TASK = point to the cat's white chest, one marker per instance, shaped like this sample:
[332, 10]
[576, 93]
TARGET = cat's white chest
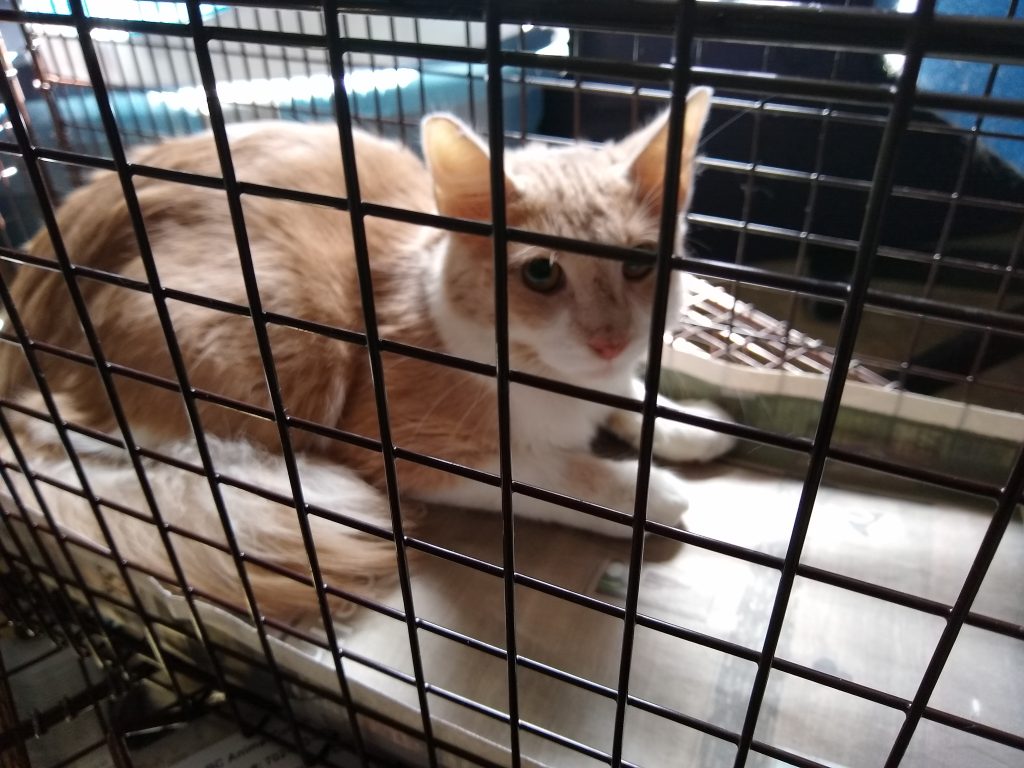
[542, 419]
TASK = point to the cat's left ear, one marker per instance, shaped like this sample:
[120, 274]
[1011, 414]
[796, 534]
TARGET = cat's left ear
[648, 148]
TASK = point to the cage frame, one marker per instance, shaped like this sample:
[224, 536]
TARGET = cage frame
[923, 32]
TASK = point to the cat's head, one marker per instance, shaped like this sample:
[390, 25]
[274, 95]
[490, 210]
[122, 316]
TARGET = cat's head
[576, 316]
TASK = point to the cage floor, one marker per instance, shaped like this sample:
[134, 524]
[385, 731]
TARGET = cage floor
[43, 676]
[899, 538]
[915, 543]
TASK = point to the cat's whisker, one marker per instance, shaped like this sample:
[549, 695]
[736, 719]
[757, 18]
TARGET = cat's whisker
[528, 252]
[475, 404]
[444, 397]
[691, 242]
[732, 120]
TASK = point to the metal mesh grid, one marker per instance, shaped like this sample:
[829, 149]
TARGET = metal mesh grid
[93, 128]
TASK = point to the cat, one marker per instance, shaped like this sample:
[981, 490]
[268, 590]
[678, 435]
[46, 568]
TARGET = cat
[576, 318]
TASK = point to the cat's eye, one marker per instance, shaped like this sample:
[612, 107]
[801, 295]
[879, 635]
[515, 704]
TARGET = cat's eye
[543, 275]
[636, 270]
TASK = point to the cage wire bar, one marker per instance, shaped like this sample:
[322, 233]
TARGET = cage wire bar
[668, 221]
[266, 357]
[344, 121]
[848, 328]
[923, 33]
[965, 164]
[95, 349]
[496, 140]
[120, 163]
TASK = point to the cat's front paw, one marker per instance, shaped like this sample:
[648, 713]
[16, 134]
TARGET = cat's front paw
[675, 441]
[666, 497]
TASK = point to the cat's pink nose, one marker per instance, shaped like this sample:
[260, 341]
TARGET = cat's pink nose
[608, 347]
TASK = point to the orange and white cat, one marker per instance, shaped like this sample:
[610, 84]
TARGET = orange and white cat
[575, 318]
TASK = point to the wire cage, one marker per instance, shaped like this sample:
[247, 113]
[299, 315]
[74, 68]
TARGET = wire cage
[851, 594]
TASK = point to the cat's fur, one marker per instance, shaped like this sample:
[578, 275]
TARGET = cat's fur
[432, 288]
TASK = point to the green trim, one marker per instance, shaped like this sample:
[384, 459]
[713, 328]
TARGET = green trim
[936, 448]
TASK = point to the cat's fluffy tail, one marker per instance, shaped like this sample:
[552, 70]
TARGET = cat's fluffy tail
[266, 531]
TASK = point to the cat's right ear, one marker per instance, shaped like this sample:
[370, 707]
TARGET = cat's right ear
[460, 167]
